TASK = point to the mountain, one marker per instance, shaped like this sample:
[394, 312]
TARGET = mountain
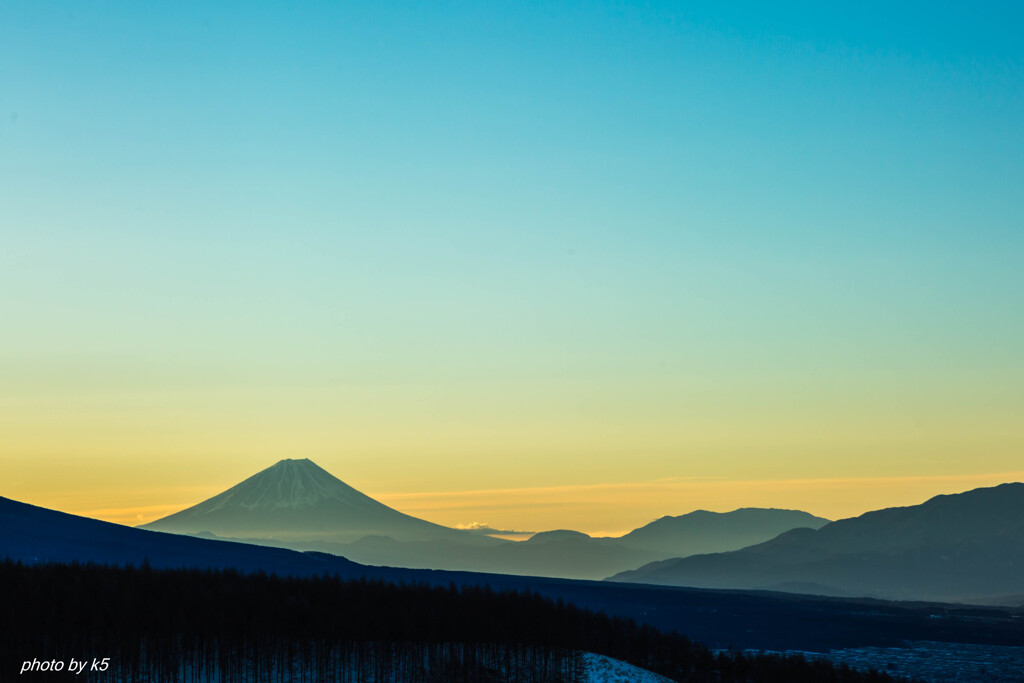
[297, 500]
[713, 532]
[572, 554]
[297, 504]
[967, 546]
[558, 536]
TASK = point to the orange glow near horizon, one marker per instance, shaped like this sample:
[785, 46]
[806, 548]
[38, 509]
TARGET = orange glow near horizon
[607, 509]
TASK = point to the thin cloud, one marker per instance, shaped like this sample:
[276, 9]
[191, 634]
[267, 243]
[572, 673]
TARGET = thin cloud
[631, 504]
[486, 530]
[711, 481]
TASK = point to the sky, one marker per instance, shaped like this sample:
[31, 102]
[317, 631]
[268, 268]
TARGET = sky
[529, 265]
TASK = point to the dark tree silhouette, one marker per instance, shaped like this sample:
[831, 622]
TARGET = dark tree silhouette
[191, 626]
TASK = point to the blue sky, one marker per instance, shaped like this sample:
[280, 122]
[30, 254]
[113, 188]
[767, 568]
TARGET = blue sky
[646, 215]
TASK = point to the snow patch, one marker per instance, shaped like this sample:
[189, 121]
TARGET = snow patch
[601, 669]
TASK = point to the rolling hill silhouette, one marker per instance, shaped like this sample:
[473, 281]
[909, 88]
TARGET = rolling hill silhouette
[966, 546]
[35, 535]
[713, 532]
[297, 504]
[573, 554]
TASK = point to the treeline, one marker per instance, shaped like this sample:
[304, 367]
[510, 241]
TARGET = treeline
[192, 625]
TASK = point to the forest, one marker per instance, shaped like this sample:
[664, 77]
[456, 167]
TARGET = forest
[205, 625]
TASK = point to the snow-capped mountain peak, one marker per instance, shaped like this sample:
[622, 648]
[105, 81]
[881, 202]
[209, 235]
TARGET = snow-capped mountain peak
[298, 499]
[294, 484]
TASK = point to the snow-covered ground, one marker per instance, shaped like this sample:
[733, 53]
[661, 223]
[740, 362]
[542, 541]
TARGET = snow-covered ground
[601, 669]
[932, 661]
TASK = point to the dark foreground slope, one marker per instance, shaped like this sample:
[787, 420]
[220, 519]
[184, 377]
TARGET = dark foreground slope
[36, 536]
[963, 547]
[190, 625]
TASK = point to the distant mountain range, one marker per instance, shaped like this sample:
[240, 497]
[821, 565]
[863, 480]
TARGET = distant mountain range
[714, 532]
[964, 547]
[35, 535]
[297, 504]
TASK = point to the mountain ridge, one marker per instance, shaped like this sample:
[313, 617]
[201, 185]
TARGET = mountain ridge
[963, 546]
[704, 531]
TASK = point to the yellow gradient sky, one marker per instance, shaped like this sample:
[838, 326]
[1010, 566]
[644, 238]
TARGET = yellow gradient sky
[530, 265]
[589, 458]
